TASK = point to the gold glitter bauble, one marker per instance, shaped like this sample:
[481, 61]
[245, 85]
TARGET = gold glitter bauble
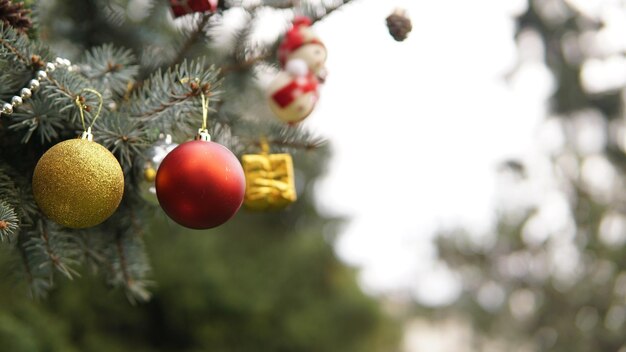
[78, 183]
[149, 174]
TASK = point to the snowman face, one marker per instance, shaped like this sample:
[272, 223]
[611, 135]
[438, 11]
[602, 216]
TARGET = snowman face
[313, 54]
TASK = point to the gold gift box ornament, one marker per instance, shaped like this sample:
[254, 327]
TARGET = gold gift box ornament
[270, 181]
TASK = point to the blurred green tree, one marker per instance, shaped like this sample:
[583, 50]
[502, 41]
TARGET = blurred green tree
[552, 275]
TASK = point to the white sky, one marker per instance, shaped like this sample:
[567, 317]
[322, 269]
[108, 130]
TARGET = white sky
[418, 129]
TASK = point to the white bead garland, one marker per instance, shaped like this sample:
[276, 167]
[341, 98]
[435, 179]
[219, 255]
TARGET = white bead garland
[33, 84]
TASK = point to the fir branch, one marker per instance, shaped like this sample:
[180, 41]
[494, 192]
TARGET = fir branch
[278, 136]
[315, 11]
[26, 265]
[243, 55]
[10, 42]
[8, 190]
[245, 64]
[16, 190]
[38, 286]
[110, 68]
[39, 277]
[242, 37]
[294, 145]
[123, 136]
[12, 81]
[274, 4]
[18, 50]
[49, 246]
[129, 271]
[41, 118]
[327, 10]
[193, 37]
[62, 88]
[8, 222]
[122, 259]
[170, 101]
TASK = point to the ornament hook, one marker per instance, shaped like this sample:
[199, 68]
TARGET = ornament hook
[203, 135]
[203, 132]
[81, 108]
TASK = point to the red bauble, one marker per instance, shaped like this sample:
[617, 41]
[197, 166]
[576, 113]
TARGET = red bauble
[200, 184]
[183, 7]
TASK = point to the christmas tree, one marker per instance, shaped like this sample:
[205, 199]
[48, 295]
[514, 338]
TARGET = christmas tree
[126, 75]
[551, 275]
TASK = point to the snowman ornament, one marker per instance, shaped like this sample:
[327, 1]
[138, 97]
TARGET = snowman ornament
[302, 43]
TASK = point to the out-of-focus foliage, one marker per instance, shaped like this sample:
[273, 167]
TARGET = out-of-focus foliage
[264, 282]
[552, 275]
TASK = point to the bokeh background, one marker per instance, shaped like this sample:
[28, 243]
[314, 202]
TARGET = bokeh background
[471, 199]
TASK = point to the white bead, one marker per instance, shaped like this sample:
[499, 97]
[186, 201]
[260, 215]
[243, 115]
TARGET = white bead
[16, 101]
[41, 75]
[25, 93]
[59, 61]
[33, 84]
[7, 109]
[50, 67]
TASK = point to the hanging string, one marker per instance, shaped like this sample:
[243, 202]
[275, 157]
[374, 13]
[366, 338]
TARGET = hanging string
[82, 107]
[205, 112]
[203, 132]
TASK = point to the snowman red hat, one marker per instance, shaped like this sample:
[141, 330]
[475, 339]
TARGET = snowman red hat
[301, 42]
[184, 7]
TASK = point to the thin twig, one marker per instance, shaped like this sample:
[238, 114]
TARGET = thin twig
[61, 87]
[111, 67]
[244, 65]
[193, 38]
[247, 64]
[29, 273]
[294, 145]
[330, 10]
[122, 256]
[166, 105]
[135, 223]
[53, 257]
[14, 50]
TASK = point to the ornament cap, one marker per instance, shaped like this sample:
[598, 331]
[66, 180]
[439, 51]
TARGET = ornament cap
[87, 135]
[203, 135]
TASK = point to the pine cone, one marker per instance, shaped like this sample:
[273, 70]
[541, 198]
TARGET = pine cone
[399, 25]
[15, 15]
